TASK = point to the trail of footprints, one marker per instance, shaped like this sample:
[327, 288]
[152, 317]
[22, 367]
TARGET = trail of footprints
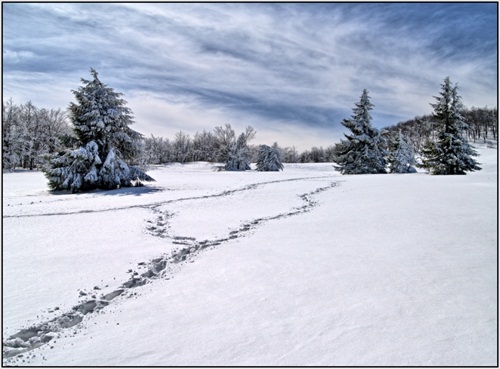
[162, 267]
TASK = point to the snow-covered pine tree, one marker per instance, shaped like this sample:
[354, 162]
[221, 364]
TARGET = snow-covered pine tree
[362, 152]
[450, 153]
[401, 157]
[262, 158]
[275, 163]
[269, 158]
[101, 123]
[75, 170]
[239, 155]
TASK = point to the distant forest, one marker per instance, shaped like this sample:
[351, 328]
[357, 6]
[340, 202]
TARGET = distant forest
[30, 134]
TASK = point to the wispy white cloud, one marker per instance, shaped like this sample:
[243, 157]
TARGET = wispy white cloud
[14, 57]
[280, 67]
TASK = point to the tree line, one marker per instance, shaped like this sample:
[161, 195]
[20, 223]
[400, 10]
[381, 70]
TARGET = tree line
[32, 135]
[30, 132]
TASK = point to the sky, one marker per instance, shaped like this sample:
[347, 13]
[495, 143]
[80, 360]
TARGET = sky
[293, 71]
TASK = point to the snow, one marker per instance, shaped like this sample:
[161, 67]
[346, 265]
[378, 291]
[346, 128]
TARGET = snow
[396, 269]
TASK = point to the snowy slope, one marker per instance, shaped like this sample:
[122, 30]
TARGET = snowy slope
[300, 267]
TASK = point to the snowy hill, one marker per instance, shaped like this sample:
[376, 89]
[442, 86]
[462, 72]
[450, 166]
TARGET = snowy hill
[300, 267]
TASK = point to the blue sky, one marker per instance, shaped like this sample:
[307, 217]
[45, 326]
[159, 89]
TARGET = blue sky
[291, 70]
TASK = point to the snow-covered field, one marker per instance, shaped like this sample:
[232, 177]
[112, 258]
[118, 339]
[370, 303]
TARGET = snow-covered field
[300, 267]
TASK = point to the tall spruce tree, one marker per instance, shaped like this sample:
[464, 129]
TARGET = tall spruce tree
[362, 152]
[101, 124]
[450, 153]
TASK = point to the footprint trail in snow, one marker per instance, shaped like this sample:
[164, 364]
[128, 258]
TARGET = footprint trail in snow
[168, 224]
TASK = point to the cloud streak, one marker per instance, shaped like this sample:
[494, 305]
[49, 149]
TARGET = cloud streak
[280, 67]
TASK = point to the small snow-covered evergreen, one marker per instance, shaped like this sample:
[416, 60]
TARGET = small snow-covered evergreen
[262, 157]
[401, 157]
[269, 158]
[450, 153]
[239, 155]
[101, 123]
[362, 152]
